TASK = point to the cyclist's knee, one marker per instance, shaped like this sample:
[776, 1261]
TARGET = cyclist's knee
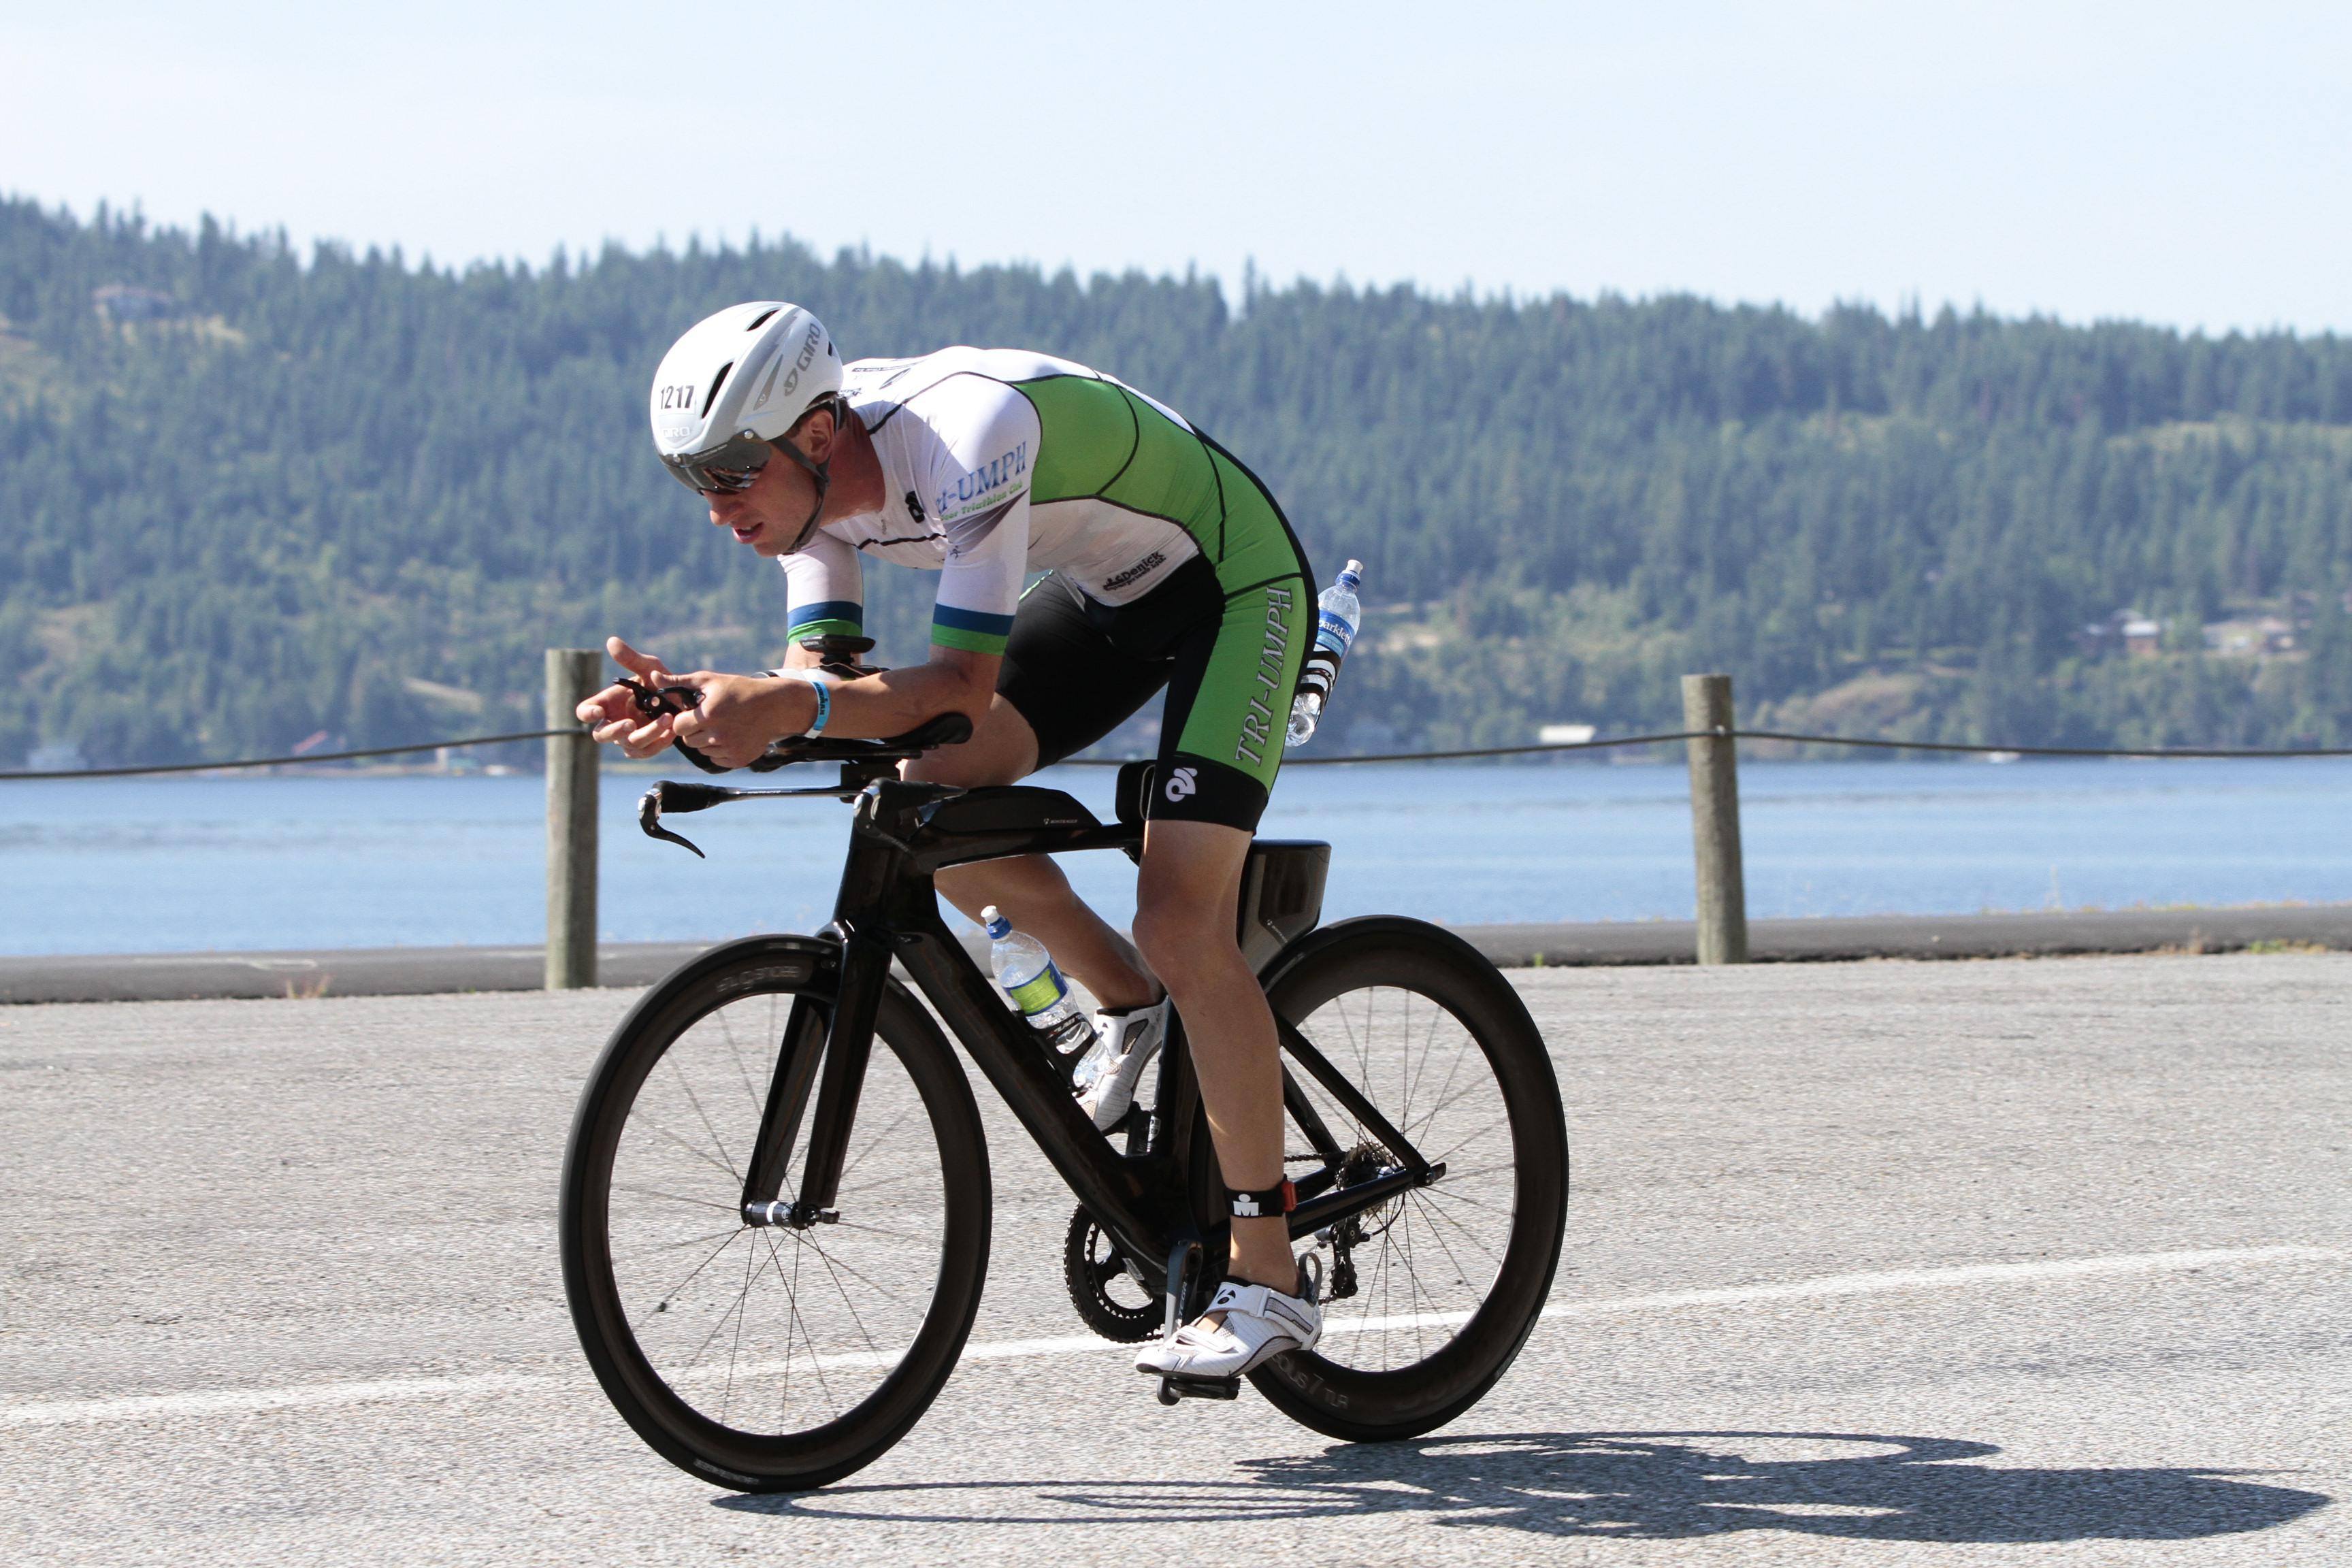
[1002, 751]
[1183, 943]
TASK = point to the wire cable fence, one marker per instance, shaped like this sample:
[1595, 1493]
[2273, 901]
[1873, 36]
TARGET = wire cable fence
[297, 759]
[1708, 733]
[1463, 753]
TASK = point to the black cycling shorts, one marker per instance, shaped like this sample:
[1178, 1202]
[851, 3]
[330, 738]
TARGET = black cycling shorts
[1076, 669]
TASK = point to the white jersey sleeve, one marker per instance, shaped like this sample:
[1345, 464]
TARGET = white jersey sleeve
[824, 589]
[970, 455]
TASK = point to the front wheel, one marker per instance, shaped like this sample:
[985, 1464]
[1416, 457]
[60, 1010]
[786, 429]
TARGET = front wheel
[780, 1356]
[1430, 1295]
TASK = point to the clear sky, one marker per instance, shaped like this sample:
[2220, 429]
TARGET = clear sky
[2182, 163]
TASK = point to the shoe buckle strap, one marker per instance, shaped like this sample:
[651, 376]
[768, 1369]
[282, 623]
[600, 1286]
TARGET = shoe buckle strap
[1236, 1298]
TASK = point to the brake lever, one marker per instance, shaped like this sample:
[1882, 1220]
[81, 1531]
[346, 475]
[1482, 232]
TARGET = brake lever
[670, 794]
[650, 814]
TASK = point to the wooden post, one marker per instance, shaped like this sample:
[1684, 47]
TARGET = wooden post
[1714, 819]
[574, 674]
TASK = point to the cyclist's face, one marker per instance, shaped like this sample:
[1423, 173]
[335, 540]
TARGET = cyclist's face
[769, 516]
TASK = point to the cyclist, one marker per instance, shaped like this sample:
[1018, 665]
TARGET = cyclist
[1168, 564]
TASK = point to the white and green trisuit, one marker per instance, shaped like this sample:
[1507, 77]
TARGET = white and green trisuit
[1169, 562]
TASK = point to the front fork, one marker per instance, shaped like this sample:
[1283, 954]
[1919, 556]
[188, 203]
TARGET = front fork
[829, 1058]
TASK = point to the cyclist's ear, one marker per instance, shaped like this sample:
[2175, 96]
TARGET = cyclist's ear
[815, 432]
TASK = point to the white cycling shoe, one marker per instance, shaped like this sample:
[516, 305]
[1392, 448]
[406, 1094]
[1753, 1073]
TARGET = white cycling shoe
[1129, 1041]
[1260, 1323]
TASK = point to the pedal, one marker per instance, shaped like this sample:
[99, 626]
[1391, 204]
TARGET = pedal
[1174, 1388]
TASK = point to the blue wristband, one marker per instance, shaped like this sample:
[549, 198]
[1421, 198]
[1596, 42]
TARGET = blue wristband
[823, 690]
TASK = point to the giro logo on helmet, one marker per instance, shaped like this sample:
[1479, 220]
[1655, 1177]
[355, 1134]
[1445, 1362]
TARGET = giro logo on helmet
[1183, 783]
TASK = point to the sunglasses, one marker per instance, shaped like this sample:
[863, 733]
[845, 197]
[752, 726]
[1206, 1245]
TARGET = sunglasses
[728, 468]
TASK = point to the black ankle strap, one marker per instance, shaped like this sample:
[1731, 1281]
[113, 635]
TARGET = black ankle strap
[1262, 1203]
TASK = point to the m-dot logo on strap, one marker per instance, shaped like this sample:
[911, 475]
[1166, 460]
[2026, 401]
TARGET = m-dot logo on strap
[1183, 783]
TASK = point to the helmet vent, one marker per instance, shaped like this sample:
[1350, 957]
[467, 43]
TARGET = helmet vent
[716, 383]
[762, 319]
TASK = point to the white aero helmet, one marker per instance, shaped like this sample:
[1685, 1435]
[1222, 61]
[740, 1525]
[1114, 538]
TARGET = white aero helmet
[733, 385]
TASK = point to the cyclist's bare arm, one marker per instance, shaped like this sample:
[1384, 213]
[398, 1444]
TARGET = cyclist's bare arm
[737, 716]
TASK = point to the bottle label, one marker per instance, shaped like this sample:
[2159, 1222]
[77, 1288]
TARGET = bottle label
[1040, 992]
[1333, 632]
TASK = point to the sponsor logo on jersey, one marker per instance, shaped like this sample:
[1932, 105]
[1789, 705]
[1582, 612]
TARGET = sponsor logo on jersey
[915, 506]
[975, 484]
[1259, 723]
[1122, 579]
[1183, 783]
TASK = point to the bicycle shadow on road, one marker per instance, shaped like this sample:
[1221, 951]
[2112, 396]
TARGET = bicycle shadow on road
[1635, 1485]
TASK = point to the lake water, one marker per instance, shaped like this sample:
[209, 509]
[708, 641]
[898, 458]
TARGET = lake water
[229, 863]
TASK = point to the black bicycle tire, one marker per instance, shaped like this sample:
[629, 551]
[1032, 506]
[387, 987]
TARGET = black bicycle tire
[1400, 1403]
[720, 1456]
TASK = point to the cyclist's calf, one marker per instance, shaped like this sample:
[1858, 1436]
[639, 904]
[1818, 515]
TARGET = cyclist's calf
[1186, 897]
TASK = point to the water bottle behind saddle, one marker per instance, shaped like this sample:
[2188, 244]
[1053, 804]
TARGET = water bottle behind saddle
[1337, 615]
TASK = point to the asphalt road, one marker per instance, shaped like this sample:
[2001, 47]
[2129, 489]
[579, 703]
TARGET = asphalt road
[1884, 1263]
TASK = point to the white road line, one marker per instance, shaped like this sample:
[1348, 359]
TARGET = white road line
[303, 1397]
[249, 1401]
[1941, 1278]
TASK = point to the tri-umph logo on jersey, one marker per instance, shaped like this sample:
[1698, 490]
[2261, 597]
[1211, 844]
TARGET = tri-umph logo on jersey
[976, 483]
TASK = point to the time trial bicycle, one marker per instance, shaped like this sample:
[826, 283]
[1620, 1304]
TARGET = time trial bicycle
[775, 1234]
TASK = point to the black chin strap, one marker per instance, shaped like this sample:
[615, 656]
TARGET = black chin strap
[816, 471]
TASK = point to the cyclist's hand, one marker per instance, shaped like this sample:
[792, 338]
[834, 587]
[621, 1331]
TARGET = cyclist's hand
[613, 712]
[740, 715]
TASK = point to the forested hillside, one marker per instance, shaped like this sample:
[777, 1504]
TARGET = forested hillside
[247, 495]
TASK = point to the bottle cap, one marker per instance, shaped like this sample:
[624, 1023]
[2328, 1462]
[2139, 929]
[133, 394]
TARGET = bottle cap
[998, 926]
[1351, 576]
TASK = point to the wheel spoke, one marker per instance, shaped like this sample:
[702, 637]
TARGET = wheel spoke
[695, 1358]
[1465, 1140]
[663, 1300]
[735, 1349]
[1413, 1129]
[877, 1140]
[718, 1165]
[675, 1246]
[793, 1306]
[830, 1261]
[833, 1273]
[696, 1101]
[1441, 1107]
[727, 1027]
[673, 1197]
[1466, 1234]
[1462, 1274]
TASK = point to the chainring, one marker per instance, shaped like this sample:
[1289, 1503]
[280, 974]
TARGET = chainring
[1095, 1270]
